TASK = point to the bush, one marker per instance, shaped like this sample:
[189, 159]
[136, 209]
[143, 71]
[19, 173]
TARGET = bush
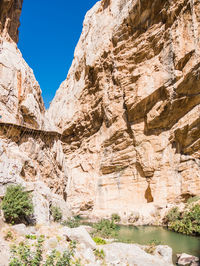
[55, 258]
[105, 228]
[72, 222]
[99, 254]
[115, 217]
[187, 222]
[193, 199]
[23, 255]
[31, 255]
[17, 205]
[133, 217]
[56, 213]
[172, 215]
[99, 240]
[32, 237]
[8, 236]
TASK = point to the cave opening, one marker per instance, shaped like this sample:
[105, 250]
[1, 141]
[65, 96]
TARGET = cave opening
[148, 194]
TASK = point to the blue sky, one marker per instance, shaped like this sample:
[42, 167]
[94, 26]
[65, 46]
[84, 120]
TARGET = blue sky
[48, 35]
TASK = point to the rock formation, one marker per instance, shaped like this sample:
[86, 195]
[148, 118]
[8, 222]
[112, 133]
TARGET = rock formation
[28, 154]
[123, 131]
[130, 107]
[20, 94]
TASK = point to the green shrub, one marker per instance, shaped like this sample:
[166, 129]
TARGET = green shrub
[188, 222]
[23, 255]
[17, 205]
[193, 199]
[55, 258]
[32, 237]
[99, 240]
[105, 228]
[56, 213]
[72, 222]
[31, 255]
[99, 254]
[8, 236]
[115, 217]
[172, 215]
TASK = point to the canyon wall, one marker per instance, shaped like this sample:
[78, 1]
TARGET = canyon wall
[30, 152]
[20, 94]
[130, 107]
[123, 131]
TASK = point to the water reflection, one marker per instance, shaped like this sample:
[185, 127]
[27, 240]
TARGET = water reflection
[145, 234]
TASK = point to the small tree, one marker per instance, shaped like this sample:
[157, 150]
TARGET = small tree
[17, 204]
[115, 217]
[56, 213]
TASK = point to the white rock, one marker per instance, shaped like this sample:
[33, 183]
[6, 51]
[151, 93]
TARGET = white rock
[89, 255]
[165, 252]
[186, 259]
[78, 234]
[131, 254]
[4, 252]
[21, 229]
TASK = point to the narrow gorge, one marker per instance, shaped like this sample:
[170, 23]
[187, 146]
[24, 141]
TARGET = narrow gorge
[122, 134]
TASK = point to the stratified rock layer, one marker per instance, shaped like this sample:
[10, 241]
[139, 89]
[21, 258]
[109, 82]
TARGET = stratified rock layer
[29, 155]
[130, 107]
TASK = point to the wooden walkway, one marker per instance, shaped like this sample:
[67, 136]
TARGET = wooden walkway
[33, 131]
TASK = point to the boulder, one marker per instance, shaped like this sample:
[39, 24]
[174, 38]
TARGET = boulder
[78, 234]
[21, 229]
[4, 252]
[132, 254]
[165, 252]
[186, 259]
[89, 255]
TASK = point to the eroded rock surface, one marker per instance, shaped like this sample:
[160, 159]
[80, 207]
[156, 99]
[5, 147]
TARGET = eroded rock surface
[130, 107]
[33, 158]
[122, 133]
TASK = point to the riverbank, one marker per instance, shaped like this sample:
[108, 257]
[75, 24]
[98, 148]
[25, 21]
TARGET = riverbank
[53, 243]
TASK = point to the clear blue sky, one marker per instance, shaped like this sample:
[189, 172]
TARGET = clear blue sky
[48, 35]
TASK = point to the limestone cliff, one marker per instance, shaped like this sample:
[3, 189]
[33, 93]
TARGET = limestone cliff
[28, 154]
[130, 107]
[20, 94]
[123, 131]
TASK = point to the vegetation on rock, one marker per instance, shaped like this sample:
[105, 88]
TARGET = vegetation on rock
[99, 254]
[99, 240]
[115, 217]
[72, 222]
[56, 213]
[17, 205]
[185, 222]
[24, 255]
[32, 255]
[193, 199]
[151, 248]
[105, 228]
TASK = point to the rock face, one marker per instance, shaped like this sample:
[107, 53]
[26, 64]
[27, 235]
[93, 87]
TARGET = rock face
[20, 100]
[122, 133]
[27, 155]
[10, 11]
[130, 107]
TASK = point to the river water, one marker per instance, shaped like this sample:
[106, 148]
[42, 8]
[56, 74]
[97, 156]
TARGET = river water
[145, 234]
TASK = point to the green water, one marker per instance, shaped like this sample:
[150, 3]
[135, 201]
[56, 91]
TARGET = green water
[145, 234]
